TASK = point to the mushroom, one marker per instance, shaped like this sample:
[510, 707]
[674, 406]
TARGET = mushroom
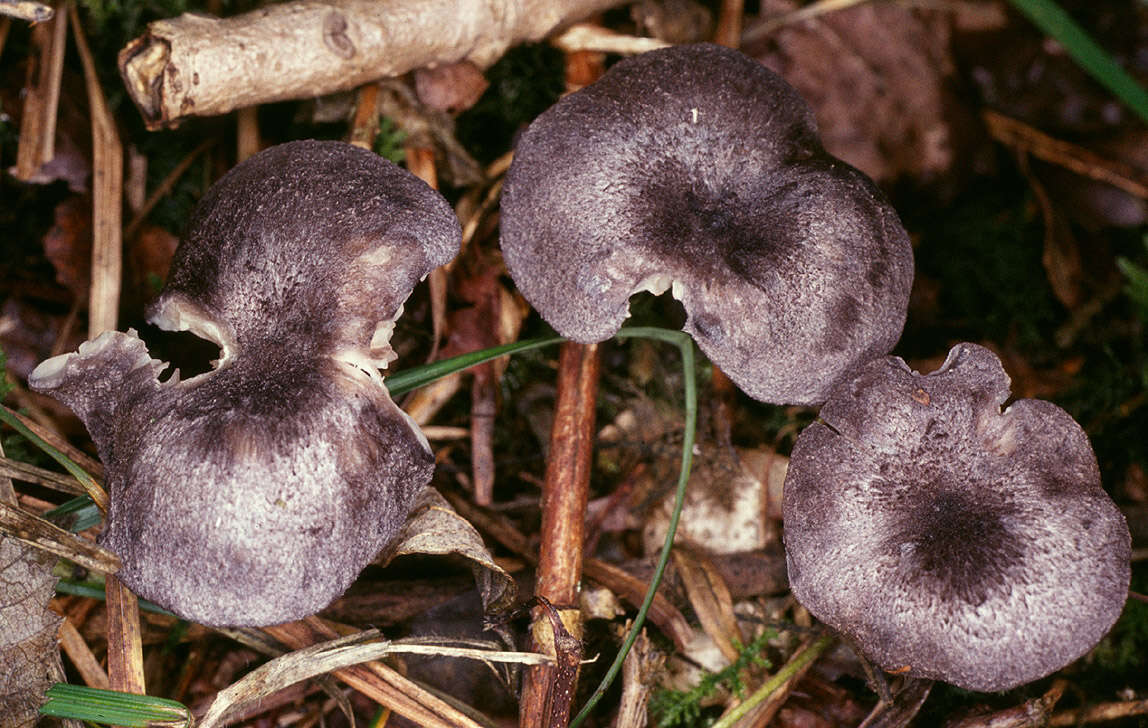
[255, 493]
[698, 170]
[948, 539]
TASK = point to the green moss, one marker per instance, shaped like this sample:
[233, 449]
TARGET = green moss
[389, 144]
[673, 708]
[985, 255]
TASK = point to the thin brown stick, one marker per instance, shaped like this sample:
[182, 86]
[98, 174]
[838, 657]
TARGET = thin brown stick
[5, 26]
[164, 187]
[564, 498]
[247, 141]
[365, 122]
[421, 163]
[1025, 138]
[724, 396]
[77, 650]
[729, 23]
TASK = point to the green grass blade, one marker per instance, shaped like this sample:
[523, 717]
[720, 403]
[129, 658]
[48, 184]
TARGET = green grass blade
[79, 513]
[95, 590]
[686, 346]
[1058, 25]
[420, 376]
[90, 485]
[114, 708]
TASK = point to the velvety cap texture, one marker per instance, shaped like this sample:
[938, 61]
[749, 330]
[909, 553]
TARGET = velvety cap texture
[697, 169]
[254, 494]
[948, 539]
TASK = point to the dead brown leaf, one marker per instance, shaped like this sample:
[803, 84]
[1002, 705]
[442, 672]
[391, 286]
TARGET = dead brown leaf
[29, 657]
[452, 87]
[879, 79]
[68, 246]
[434, 528]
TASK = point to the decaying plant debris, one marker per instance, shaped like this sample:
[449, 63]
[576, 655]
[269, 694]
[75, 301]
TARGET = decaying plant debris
[1024, 188]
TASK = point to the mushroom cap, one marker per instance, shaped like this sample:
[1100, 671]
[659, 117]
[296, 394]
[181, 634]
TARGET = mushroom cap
[310, 243]
[254, 494]
[950, 539]
[697, 169]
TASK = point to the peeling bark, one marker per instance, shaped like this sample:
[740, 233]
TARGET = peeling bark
[196, 65]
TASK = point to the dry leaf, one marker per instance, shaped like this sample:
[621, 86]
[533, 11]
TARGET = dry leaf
[68, 245]
[434, 528]
[453, 87]
[29, 655]
[878, 77]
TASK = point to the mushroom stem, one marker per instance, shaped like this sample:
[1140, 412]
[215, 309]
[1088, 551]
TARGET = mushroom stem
[564, 497]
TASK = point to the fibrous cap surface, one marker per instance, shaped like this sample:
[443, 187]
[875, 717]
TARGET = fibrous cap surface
[255, 493]
[699, 168]
[948, 539]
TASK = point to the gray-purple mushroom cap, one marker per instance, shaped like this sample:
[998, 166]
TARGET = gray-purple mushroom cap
[946, 538]
[696, 169]
[255, 493]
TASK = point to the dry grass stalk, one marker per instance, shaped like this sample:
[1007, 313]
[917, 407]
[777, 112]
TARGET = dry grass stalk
[45, 536]
[377, 681]
[39, 476]
[107, 195]
[76, 455]
[42, 97]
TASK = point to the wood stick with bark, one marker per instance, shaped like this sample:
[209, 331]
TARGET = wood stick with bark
[564, 498]
[194, 65]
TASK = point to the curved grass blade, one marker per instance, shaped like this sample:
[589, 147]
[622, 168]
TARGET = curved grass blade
[1058, 25]
[686, 346]
[420, 376]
